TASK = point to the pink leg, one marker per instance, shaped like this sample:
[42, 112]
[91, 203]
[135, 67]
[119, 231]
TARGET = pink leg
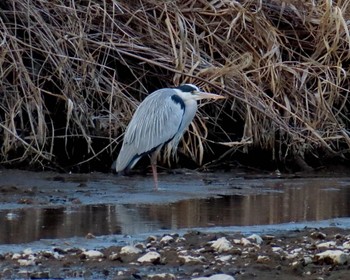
[154, 170]
[155, 176]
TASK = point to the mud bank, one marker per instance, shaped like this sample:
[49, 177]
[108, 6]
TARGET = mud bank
[78, 226]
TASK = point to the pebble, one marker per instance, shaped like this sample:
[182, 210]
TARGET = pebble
[307, 260]
[167, 276]
[333, 257]
[221, 245]
[224, 258]
[150, 257]
[28, 251]
[245, 241]
[167, 239]
[296, 250]
[263, 259]
[318, 235]
[114, 257]
[329, 244]
[216, 277]
[24, 273]
[268, 237]
[49, 254]
[236, 241]
[346, 245]
[40, 275]
[191, 260]
[130, 250]
[195, 253]
[140, 245]
[277, 249]
[200, 250]
[26, 262]
[16, 256]
[92, 254]
[256, 238]
[293, 253]
[151, 238]
[12, 216]
[90, 236]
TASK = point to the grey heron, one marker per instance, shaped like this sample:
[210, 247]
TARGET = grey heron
[161, 119]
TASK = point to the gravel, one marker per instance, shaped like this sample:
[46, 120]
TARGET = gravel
[307, 254]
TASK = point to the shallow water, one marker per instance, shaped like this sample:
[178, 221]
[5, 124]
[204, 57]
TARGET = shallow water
[42, 206]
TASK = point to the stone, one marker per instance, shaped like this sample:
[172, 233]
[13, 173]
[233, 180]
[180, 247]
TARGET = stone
[150, 257]
[307, 260]
[329, 244]
[346, 245]
[114, 257]
[256, 238]
[245, 241]
[167, 276]
[167, 239]
[28, 251]
[216, 277]
[130, 250]
[333, 257]
[92, 254]
[26, 262]
[221, 245]
[16, 256]
[263, 259]
[224, 258]
[277, 249]
[191, 260]
[318, 235]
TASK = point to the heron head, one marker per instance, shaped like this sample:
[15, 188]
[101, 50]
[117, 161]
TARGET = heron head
[196, 93]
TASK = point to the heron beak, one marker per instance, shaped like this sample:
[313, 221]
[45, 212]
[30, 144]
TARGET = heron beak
[207, 95]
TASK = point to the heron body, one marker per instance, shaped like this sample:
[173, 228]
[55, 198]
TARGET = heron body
[161, 119]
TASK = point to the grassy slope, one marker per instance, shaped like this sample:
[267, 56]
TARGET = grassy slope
[73, 73]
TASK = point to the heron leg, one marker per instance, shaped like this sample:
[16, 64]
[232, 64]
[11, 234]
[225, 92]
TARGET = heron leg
[154, 169]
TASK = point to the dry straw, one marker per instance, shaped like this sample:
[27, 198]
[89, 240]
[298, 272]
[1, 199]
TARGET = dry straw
[78, 69]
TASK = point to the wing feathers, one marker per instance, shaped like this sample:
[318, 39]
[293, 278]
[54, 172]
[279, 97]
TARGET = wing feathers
[155, 122]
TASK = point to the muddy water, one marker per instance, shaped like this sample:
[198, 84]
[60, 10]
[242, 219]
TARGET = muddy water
[37, 206]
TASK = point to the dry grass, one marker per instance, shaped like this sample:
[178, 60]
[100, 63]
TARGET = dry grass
[72, 73]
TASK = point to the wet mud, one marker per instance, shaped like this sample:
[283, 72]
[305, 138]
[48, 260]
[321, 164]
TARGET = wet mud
[49, 221]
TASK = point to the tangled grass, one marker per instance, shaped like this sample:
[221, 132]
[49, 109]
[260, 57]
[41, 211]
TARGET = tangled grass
[73, 72]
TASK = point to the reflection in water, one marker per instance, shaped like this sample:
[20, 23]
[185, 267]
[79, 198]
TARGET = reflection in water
[287, 203]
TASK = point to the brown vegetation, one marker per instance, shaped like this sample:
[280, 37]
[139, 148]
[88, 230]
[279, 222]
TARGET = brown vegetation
[72, 73]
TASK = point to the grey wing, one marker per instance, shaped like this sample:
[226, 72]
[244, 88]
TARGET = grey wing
[155, 122]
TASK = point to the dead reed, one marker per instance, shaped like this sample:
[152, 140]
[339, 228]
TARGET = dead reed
[73, 72]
